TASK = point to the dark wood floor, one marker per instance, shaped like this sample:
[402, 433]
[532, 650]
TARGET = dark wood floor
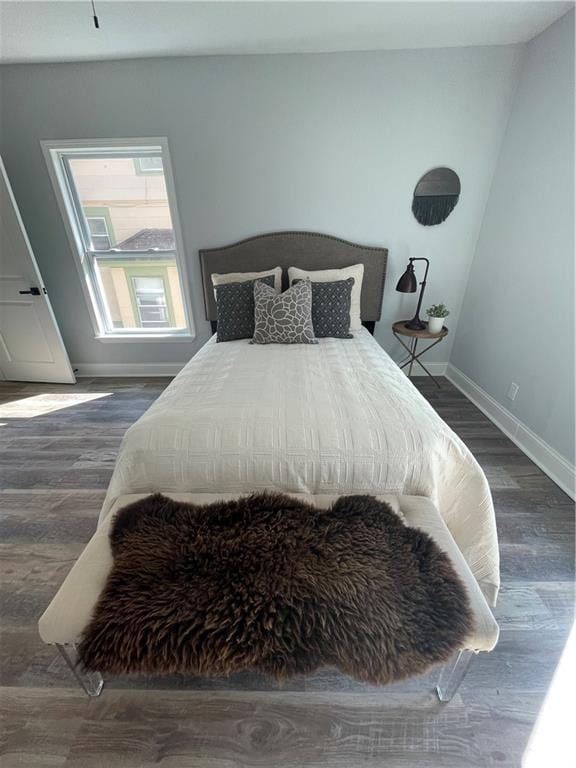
[58, 445]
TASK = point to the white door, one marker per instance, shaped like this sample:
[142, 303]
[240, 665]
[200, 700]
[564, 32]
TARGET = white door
[31, 348]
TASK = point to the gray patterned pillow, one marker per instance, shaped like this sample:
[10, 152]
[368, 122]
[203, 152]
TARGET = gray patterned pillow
[284, 318]
[235, 307]
[331, 308]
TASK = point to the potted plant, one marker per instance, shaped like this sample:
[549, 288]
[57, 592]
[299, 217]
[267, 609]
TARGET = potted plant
[436, 315]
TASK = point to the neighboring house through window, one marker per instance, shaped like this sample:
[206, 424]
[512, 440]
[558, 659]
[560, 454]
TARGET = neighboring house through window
[119, 209]
[99, 232]
[151, 301]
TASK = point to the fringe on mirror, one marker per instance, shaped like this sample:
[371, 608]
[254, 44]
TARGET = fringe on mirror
[433, 209]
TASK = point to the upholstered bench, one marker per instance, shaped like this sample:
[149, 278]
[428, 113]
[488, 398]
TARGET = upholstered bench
[65, 619]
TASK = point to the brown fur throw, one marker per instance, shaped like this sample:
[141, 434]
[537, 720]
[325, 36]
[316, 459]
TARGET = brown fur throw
[270, 583]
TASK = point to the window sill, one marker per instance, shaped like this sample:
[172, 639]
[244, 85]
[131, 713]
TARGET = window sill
[158, 337]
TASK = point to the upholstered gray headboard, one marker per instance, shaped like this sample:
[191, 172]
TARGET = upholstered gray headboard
[307, 250]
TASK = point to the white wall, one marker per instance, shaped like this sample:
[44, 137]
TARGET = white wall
[517, 323]
[332, 142]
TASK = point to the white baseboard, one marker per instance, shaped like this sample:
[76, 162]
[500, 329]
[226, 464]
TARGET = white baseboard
[122, 370]
[558, 469]
[436, 369]
[98, 370]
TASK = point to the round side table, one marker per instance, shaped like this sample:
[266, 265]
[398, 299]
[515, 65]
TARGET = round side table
[399, 329]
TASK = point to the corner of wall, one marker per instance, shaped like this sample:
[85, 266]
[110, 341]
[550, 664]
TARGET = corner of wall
[493, 345]
[522, 52]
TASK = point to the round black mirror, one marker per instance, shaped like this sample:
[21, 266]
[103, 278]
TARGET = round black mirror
[435, 196]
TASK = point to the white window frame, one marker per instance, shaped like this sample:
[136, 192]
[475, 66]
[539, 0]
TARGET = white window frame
[53, 152]
[134, 278]
[106, 233]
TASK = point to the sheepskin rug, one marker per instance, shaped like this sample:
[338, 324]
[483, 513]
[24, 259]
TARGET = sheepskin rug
[272, 584]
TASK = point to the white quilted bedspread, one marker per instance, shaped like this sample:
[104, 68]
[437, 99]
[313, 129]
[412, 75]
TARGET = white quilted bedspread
[337, 417]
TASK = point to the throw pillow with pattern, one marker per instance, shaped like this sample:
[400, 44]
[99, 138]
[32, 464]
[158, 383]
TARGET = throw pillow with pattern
[235, 309]
[331, 308]
[284, 318]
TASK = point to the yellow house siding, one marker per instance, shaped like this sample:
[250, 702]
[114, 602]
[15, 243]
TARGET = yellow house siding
[123, 297]
[134, 201]
[111, 297]
[176, 294]
[128, 220]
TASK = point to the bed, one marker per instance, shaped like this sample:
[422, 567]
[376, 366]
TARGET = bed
[313, 420]
[334, 418]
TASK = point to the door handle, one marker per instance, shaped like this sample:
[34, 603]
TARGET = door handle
[34, 291]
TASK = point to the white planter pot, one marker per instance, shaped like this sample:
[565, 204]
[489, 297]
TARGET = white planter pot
[435, 324]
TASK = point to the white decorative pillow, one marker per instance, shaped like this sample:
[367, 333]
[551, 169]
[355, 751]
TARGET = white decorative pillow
[240, 277]
[331, 275]
[284, 318]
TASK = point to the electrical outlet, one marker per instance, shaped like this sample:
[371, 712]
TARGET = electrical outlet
[513, 391]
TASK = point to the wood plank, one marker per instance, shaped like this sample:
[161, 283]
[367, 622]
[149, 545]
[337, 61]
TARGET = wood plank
[56, 454]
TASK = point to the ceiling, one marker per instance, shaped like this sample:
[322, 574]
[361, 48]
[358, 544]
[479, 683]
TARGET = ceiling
[63, 30]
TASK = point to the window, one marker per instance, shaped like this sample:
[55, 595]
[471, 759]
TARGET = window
[118, 206]
[151, 302]
[99, 233]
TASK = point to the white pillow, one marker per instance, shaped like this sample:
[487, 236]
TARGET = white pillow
[240, 277]
[330, 275]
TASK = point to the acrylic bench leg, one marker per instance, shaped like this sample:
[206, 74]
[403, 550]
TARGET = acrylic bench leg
[91, 682]
[452, 674]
